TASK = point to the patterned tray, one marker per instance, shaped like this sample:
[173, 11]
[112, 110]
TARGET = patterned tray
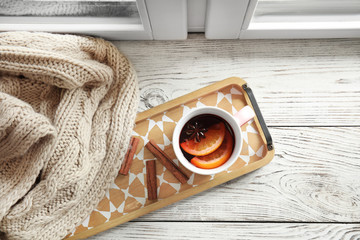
[127, 197]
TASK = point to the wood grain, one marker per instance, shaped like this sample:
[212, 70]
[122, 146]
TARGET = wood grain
[229, 230]
[314, 177]
[313, 182]
[296, 82]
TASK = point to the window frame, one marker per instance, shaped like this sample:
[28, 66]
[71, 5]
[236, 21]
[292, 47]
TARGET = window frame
[173, 19]
[151, 24]
[291, 29]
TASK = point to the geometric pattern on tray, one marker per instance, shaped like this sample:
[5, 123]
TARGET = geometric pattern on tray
[129, 193]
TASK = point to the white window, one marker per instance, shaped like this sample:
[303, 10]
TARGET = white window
[302, 19]
[173, 19]
[249, 19]
[111, 19]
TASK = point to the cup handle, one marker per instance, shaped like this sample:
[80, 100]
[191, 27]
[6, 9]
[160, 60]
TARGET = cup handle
[244, 115]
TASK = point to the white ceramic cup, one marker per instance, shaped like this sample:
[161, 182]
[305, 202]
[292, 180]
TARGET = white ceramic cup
[235, 122]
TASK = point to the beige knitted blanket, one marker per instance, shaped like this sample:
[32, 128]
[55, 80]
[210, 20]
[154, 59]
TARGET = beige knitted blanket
[67, 109]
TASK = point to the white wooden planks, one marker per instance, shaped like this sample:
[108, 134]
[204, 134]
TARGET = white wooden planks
[231, 231]
[296, 82]
[309, 92]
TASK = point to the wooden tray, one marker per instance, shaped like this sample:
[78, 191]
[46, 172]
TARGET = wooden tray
[127, 197]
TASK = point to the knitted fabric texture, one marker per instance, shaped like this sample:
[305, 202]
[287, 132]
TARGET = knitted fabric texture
[67, 109]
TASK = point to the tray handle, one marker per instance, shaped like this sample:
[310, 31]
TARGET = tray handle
[269, 142]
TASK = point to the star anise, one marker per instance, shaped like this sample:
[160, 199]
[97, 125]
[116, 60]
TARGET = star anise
[195, 131]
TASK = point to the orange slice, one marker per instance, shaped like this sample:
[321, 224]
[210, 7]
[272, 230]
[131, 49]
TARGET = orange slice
[216, 158]
[212, 141]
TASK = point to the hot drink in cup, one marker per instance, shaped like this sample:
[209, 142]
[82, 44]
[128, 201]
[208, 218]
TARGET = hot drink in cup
[208, 140]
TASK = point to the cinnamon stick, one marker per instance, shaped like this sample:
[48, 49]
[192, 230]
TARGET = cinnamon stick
[166, 161]
[151, 179]
[125, 167]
